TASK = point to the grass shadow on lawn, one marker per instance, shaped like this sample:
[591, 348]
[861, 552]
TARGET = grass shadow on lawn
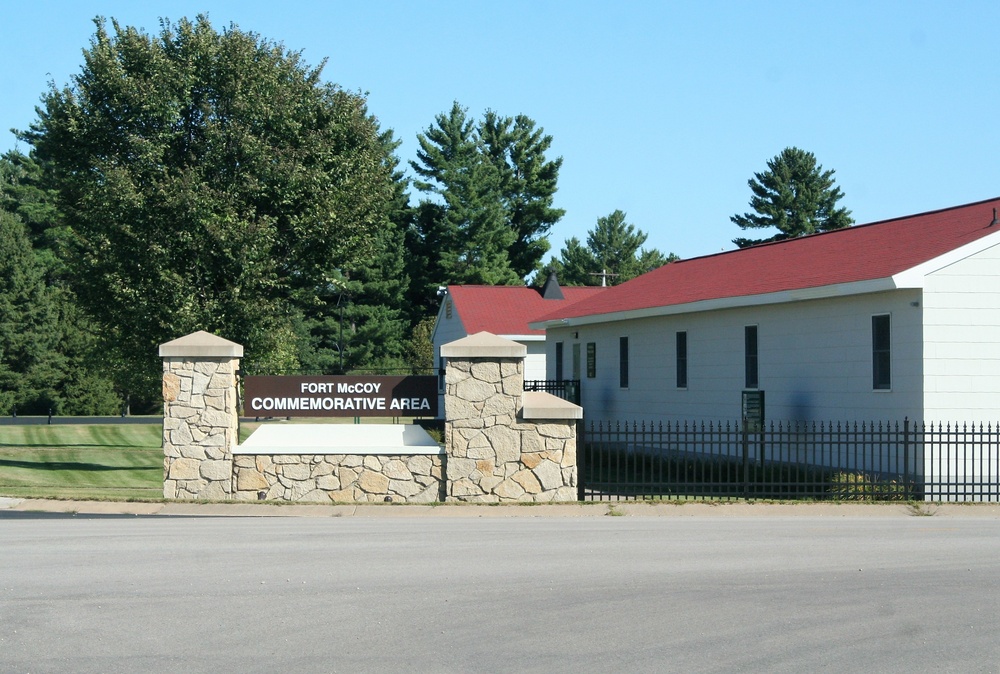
[69, 465]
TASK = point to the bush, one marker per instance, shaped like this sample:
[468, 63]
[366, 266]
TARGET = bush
[857, 486]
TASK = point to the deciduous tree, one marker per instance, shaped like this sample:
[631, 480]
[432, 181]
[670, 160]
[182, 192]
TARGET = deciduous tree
[212, 181]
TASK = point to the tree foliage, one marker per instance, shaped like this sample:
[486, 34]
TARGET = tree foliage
[488, 206]
[211, 181]
[613, 255]
[795, 196]
[527, 184]
[45, 347]
[26, 313]
[468, 223]
[363, 323]
[23, 192]
[48, 350]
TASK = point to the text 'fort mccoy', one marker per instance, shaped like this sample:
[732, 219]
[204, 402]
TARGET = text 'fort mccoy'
[340, 396]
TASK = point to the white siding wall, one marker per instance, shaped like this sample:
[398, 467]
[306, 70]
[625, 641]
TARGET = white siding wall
[815, 362]
[534, 362]
[447, 329]
[962, 340]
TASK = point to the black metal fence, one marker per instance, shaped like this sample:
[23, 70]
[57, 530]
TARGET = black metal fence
[567, 389]
[870, 462]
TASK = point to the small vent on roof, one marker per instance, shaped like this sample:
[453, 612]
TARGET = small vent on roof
[551, 289]
[995, 221]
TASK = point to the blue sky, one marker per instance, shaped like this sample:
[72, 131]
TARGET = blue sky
[661, 109]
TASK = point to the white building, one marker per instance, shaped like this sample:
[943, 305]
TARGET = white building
[503, 311]
[899, 318]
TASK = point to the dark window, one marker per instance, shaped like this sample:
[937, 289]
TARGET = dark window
[881, 362]
[750, 349]
[623, 362]
[559, 361]
[591, 360]
[682, 360]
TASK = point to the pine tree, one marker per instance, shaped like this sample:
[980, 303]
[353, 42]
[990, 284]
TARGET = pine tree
[489, 209]
[49, 357]
[363, 311]
[795, 196]
[473, 236]
[613, 255]
[527, 184]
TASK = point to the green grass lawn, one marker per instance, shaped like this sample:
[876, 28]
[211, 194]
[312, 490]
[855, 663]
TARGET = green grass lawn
[106, 462]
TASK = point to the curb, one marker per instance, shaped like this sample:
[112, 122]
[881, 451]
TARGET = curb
[553, 510]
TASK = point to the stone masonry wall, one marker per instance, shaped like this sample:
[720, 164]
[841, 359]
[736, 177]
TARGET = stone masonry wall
[494, 455]
[492, 452]
[315, 478]
[199, 427]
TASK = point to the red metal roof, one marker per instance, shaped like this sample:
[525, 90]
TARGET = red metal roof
[863, 253]
[507, 310]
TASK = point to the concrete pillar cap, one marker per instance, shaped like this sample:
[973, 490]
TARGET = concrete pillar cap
[483, 345]
[201, 344]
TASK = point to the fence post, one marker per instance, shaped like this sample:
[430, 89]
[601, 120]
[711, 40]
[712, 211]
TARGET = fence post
[746, 461]
[906, 459]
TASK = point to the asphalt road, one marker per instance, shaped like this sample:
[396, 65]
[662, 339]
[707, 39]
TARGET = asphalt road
[589, 594]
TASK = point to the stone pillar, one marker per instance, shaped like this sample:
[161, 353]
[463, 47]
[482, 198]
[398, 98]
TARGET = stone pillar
[200, 416]
[498, 449]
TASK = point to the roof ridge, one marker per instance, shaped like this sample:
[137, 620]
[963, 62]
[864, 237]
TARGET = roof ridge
[842, 230]
[862, 253]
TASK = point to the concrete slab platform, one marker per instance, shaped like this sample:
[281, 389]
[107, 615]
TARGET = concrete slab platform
[405, 439]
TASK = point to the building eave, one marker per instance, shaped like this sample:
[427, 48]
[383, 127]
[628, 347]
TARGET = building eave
[525, 338]
[783, 297]
[914, 276]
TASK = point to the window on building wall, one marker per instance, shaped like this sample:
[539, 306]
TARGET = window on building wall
[623, 362]
[682, 359]
[559, 361]
[881, 361]
[591, 360]
[750, 357]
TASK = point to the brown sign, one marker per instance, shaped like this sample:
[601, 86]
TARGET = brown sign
[346, 396]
